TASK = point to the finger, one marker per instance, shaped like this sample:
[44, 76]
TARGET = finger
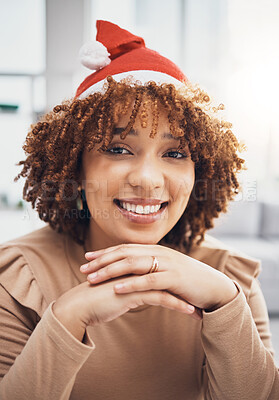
[164, 299]
[121, 252]
[95, 262]
[89, 255]
[154, 281]
[127, 266]
[92, 255]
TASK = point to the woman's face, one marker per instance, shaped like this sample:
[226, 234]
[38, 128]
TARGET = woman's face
[138, 189]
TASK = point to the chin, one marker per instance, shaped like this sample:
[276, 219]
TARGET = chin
[142, 239]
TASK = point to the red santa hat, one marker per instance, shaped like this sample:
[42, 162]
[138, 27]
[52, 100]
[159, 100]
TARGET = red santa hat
[120, 54]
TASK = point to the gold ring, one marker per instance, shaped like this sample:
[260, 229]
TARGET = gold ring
[154, 266]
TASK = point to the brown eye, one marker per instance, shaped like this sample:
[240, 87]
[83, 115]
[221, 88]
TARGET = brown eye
[175, 154]
[118, 150]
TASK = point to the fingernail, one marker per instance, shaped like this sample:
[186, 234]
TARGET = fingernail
[119, 286]
[84, 267]
[92, 276]
[90, 253]
[191, 308]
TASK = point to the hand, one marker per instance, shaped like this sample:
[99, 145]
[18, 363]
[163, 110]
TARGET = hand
[189, 279]
[86, 305]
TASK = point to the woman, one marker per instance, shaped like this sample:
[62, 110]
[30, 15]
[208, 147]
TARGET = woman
[129, 176]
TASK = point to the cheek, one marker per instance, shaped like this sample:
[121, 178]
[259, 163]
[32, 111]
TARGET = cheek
[113, 180]
[189, 182]
[101, 179]
[181, 187]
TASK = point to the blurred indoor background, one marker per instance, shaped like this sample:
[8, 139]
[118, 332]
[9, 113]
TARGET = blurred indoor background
[228, 47]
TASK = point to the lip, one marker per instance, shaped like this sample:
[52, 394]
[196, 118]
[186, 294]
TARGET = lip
[143, 202]
[141, 218]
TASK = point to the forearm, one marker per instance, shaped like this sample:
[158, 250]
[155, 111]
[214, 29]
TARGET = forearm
[47, 365]
[238, 364]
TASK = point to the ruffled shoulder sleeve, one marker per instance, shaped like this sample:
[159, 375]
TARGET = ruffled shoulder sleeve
[17, 278]
[242, 269]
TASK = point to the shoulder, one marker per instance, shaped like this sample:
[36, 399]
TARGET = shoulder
[29, 265]
[39, 250]
[40, 239]
[236, 265]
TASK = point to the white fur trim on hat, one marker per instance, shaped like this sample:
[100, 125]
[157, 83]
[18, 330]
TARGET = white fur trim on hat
[94, 55]
[139, 76]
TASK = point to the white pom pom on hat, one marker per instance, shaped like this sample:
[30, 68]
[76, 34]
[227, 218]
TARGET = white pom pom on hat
[94, 55]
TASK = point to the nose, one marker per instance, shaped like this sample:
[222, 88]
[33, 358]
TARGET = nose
[146, 174]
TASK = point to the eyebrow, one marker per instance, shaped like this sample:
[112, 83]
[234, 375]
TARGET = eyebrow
[133, 132]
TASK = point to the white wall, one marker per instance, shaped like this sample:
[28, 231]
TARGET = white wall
[64, 37]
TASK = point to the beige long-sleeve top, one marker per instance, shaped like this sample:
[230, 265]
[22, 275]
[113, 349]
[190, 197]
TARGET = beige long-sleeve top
[148, 353]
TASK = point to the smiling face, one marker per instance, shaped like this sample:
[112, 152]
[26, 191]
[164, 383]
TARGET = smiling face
[138, 188]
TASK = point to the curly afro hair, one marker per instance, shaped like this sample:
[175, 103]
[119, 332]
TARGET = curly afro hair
[54, 148]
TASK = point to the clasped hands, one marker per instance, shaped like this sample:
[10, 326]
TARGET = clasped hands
[201, 287]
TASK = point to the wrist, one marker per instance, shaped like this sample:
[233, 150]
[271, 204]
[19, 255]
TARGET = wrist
[227, 294]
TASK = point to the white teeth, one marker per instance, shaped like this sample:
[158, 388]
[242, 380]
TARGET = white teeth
[146, 210]
[139, 209]
[129, 207]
